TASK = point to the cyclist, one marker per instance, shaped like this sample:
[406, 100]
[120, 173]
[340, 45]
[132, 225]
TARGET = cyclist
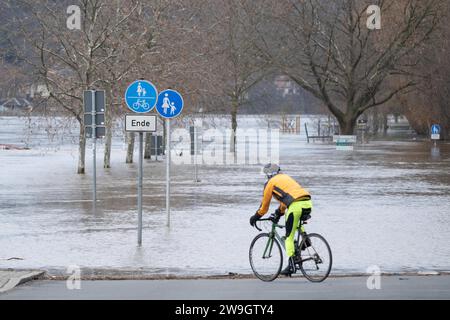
[293, 197]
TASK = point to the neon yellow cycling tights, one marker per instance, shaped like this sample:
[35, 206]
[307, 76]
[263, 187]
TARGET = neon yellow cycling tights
[294, 212]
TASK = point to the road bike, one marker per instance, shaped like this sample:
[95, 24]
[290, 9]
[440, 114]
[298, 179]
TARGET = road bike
[312, 253]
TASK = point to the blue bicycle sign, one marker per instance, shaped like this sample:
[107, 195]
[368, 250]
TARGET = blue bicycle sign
[141, 105]
[141, 96]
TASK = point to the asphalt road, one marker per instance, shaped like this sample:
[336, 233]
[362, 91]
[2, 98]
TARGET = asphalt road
[392, 287]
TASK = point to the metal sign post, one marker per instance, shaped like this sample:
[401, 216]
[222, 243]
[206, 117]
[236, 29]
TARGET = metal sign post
[140, 175]
[94, 150]
[140, 97]
[168, 171]
[94, 122]
[194, 149]
[140, 124]
[195, 155]
[170, 104]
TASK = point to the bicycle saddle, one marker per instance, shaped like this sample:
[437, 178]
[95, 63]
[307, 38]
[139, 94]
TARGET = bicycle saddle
[306, 214]
[305, 217]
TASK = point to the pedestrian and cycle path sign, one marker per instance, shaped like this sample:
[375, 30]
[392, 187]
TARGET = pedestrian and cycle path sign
[170, 104]
[435, 132]
[141, 96]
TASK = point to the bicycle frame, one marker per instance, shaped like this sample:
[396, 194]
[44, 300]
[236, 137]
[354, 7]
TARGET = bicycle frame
[273, 234]
[301, 231]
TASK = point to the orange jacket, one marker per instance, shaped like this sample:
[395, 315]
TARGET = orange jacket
[285, 189]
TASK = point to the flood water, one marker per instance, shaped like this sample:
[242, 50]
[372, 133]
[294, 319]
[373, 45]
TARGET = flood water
[386, 204]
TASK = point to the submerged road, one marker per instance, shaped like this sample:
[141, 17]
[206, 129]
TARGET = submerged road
[392, 287]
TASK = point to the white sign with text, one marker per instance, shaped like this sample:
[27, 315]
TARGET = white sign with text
[140, 123]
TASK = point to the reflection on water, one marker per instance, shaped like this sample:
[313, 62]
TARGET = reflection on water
[385, 204]
[435, 152]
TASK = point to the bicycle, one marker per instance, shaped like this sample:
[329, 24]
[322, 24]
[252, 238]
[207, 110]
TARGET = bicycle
[312, 253]
[141, 104]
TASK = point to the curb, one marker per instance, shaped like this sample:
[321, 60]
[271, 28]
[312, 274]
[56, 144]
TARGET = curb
[145, 276]
[13, 282]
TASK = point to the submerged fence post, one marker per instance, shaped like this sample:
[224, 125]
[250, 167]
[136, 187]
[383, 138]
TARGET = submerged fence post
[306, 131]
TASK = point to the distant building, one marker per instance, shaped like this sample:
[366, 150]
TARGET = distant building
[38, 90]
[286, 86]
[15, 104]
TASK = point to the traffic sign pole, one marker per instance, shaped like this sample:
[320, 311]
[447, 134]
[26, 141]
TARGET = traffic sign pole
[195, 156]
[140, 178]
[168, 171]
[94, 150]
[140, 124]
[169, 105]
[94, 123]
[140, 97]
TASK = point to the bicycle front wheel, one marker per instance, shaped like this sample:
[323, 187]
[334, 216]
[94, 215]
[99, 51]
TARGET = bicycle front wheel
[316, 258]
[266, 258]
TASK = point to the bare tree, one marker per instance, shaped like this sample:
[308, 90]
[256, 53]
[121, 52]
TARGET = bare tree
[429, 104]
[171, 55]
[123, 56]
[12, 80]
[67, 61]
[236, 64]
[326, 48]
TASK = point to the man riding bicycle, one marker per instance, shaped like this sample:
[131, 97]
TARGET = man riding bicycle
[293, 197]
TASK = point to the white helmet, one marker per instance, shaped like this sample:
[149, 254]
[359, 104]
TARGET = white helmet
[271, 169]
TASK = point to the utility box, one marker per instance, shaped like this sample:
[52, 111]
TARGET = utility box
[362, 128]
[156, 145]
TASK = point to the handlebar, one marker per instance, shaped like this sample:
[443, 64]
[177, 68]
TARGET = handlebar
[256, 225]
[267, 219]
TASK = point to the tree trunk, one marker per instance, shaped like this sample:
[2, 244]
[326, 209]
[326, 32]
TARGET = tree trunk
[82, 150]
[348, 128]
[147, 147]
[234, 110]
[130, 147]
[375, 119]
[108, 143]
[347, 125]
[108, 138]
[385, 124]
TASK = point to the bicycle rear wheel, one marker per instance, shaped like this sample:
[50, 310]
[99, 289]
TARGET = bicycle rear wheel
[266, 258]
[316, 259]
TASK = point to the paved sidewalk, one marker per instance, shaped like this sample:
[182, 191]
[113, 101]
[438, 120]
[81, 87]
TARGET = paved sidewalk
[350, 288]
[9, 279]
